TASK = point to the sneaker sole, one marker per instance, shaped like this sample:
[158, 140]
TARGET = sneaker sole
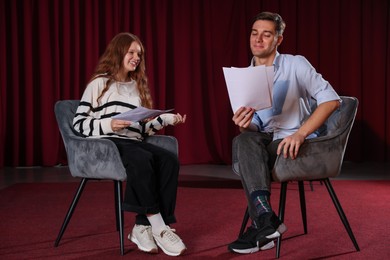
[268, 246]
[281, 229]
[168, 252]
[246, 251]
[255, 249]
[140, 247]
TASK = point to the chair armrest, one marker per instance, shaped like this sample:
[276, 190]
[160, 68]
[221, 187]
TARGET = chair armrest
[94, 158]
[107, 164]
[165, 141]
[318, 158]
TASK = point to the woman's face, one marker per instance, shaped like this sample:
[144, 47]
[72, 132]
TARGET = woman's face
[132, 57]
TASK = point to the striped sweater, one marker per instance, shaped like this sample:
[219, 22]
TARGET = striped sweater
[93, 119]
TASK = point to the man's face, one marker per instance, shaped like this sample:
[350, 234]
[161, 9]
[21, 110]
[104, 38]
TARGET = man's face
[263, 39]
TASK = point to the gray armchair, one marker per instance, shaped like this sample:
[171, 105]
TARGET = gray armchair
[96, 159]
[319, 159]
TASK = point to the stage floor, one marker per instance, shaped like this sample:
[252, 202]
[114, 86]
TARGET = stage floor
[350, 171]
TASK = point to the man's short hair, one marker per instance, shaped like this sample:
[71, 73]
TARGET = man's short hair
[280, 25]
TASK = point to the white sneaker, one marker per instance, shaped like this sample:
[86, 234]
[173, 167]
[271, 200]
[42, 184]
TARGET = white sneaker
[142, 236]
[170, 242]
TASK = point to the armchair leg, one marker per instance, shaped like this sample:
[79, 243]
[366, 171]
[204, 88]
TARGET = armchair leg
[71, 210]
[341, 212]
[116, 205]
[244, 222]
[119, 213]
[282, 205]
[311, 185]
[303, 204]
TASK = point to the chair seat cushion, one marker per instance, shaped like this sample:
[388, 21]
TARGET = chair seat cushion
[313, 161]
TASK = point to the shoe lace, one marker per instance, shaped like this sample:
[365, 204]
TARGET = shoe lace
[148, 229]
[170, 235]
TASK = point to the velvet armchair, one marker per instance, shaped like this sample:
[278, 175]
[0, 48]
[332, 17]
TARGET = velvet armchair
[96, 159]
[319, 159]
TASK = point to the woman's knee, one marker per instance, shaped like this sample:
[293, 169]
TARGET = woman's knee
[174, 161]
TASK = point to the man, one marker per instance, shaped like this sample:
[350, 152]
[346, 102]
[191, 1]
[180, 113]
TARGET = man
[281, 129]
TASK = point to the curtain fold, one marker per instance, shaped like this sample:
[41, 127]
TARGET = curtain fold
[49, 49]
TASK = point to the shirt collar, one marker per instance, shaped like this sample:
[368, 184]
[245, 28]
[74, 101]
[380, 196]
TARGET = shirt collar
[275, 62]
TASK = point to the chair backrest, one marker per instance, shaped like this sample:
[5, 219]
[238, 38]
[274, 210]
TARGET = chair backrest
[93, 158]
[65, 111]
[321, 157]
[341, 121]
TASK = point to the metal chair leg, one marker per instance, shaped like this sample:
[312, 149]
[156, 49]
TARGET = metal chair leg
[116, 205]
[303, 205]
[341, 212]
[244, 222]
[71, 210]
[282, 205]
[119, 213]
[311, 185]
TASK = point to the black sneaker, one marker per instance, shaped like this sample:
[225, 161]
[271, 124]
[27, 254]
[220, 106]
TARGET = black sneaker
[270, 228]
[280, 227]
[275, 222]
[247, 244]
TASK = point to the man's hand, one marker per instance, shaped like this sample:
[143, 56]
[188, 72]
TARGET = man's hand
[243, 117]
[290, 145]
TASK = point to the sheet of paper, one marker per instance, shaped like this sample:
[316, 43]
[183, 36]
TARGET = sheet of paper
[270, 76]
[140, 113]
[250, 87]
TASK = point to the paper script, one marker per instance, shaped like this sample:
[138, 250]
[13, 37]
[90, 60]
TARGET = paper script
[140, 113]
[250, 86]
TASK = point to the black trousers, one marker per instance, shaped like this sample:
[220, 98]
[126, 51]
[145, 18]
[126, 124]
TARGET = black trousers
[152, 179]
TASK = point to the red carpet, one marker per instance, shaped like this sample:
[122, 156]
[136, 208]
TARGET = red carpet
[209, 215]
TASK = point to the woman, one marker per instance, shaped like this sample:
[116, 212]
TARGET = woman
[119, 84]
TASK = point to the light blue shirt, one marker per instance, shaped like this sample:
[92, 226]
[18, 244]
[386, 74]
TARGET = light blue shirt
[297, 88]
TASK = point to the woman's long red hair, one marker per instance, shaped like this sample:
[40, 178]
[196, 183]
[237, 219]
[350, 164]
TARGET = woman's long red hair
[111, 62]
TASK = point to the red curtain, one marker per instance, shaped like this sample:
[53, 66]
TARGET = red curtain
[48, 50]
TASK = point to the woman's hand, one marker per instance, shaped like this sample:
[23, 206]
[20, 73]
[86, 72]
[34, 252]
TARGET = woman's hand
[118, 125]
[173, 119]
[179, 119]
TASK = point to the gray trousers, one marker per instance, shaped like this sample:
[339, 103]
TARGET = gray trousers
[255, 154]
